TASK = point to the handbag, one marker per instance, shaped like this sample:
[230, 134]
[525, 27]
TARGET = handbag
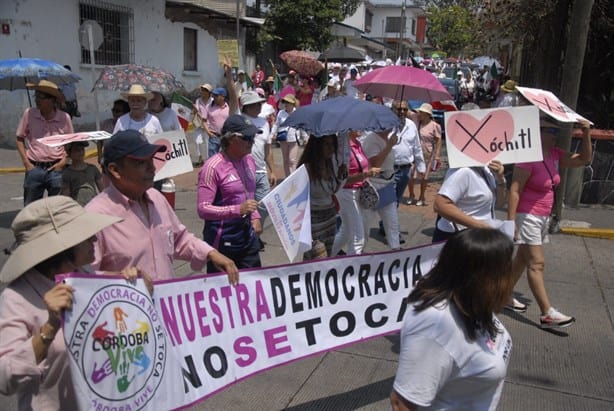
[282, 135]
[368, 196]
[387, 195]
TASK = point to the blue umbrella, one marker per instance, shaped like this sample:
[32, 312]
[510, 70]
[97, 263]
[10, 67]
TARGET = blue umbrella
[15, 73]
[340, 114]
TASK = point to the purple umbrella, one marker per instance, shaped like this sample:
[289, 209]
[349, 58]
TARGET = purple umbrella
[403, 83]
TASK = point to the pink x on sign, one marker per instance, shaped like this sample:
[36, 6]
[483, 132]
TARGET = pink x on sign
[481, 139]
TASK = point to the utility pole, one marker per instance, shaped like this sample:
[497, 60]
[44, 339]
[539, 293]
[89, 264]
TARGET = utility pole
[571, 183]
[402, 30]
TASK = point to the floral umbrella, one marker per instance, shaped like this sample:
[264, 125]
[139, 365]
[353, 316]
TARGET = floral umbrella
[301, 61]
[121, 77]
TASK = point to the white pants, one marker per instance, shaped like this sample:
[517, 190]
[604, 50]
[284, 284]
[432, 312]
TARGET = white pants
[390, 218]
[201, 140]
[353, 232]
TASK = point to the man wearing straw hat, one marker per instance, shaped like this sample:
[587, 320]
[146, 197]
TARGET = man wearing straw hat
[43, 164]
[138, 118]
[150, 236]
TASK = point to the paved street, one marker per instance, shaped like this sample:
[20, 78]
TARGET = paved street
[570, 369]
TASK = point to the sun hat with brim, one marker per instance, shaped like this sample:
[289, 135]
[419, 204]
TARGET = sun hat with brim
[269, 79]
[129, 143]
[207, 87]
[250, 97]
[509, 86]
[47, 227]
[289, 98]
[47, 87]
[136, 90]
[426, 108]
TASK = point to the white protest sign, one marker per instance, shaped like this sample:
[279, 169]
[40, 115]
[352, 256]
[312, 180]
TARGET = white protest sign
[176, 159]
[550, 104]
[62, 139]
[288, 208]
[510, 135]
[199, 334]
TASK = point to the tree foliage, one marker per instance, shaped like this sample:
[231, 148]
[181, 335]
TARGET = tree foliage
[304, 24]
[452, 28]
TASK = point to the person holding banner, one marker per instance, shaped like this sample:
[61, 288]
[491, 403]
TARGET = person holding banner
[150, 235]
[53, 235]
[226, 187]
[326, 177]
[454, 351]
[532, 196]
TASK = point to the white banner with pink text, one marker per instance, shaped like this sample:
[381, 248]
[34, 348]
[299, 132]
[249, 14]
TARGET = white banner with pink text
[198, 335]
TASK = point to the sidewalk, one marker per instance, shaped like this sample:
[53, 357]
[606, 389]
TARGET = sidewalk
[569, 369]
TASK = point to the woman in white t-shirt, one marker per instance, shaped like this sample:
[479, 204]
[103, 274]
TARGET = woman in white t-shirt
[454, 351]
[468, 198]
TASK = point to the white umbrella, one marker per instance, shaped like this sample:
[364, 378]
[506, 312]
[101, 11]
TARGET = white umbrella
[486, 61]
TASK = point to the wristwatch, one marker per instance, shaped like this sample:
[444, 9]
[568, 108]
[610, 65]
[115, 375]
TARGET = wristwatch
[47, 338]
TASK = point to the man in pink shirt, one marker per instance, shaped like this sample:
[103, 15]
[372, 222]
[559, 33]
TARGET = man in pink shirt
[150, 236]
[217, 112]
[43, 164]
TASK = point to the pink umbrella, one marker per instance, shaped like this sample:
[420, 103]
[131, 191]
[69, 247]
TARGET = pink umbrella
[403, 83]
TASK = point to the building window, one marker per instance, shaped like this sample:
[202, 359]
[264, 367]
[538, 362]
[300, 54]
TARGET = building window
[368, 21]
[413, 27]
[190, 45]
[117, 24]
[393, 24]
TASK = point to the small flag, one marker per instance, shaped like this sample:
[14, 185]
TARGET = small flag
[277, 84]
[183, 107]
[250, 83]
[288, 207]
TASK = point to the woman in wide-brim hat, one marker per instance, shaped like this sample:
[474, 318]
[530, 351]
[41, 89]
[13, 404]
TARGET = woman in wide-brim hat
[53, 235]
[430, 139]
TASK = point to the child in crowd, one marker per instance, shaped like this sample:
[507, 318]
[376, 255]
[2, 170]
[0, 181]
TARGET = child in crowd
[80, 180]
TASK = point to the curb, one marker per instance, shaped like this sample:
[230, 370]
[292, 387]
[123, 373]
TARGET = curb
[8, 170]
[607, 233]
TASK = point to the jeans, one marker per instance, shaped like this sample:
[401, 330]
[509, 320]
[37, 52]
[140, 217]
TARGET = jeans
[262, 189]
[401, 179]
[214, 146]
[38, 180]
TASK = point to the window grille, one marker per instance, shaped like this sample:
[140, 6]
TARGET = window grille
[117, 24]
[393, 24]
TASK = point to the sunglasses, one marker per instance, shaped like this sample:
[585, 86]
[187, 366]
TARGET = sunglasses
[402, 109]
[248, 138]
[42, 96]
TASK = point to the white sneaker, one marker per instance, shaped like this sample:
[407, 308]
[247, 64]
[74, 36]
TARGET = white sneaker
[555, 319]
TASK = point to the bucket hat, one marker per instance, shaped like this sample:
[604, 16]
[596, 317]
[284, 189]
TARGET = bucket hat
[47, 227]
[426, 108]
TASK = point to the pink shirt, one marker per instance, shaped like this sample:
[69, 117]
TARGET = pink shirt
[43, 386]
[537, 197]
[235, 181]
[33, 126]
[216, 115]
[356, 152]
[429, 134]
[150, 245]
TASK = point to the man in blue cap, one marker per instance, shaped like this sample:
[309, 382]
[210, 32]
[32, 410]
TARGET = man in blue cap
[217, 113]
[150, 236]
